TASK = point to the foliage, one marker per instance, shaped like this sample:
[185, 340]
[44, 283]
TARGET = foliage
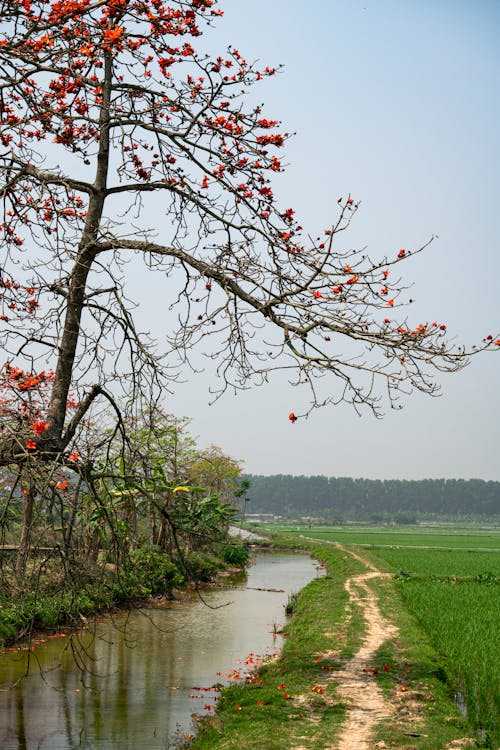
[363, 499]
[201, 566]
[46, 610]
[57, 600]
[148, 571]
[291, 605]
[235, 554]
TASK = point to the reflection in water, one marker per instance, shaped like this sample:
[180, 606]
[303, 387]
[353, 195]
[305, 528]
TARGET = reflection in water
[142, 672]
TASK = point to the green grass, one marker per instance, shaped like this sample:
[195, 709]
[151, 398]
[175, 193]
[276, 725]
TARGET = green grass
[427, 710]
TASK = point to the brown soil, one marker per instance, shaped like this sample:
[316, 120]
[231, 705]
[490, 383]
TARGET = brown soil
[367, 703]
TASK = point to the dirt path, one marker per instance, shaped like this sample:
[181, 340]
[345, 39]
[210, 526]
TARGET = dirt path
[367, 703]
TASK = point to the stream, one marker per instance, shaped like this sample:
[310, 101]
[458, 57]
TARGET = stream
[134, 680]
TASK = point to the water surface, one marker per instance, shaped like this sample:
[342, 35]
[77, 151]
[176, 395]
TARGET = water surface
[142, 674]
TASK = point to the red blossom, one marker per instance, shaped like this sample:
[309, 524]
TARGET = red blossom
[113, 36]
[267, 123]
[39, 426]
[272, 139]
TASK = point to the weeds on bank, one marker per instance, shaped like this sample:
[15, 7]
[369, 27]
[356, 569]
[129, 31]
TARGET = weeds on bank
[50, 599]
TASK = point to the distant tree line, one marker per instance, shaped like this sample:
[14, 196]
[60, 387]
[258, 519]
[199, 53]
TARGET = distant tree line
[346, 498]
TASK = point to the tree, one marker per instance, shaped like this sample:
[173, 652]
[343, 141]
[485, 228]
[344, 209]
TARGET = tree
[107, 105]
[161, 473]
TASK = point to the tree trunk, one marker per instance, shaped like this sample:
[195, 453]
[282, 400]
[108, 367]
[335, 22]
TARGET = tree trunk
[26, 528]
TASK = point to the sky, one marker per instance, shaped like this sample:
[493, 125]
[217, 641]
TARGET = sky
[395, 103]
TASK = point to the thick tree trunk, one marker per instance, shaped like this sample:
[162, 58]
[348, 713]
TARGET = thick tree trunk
[78, 280]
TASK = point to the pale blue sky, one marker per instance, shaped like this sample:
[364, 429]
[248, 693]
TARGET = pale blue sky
[397, 103]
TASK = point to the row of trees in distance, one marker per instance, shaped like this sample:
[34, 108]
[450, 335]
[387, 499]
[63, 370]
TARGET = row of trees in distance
[372, 499]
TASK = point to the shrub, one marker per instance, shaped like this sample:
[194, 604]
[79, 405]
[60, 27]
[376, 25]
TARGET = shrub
[201, 566]
[147, 571]
[235, 554]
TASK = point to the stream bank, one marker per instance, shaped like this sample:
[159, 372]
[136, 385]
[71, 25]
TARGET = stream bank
[134, 680]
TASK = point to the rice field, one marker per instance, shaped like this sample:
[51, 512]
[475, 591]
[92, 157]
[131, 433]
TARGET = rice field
[434, 562]
[462, 621]
[438, 537]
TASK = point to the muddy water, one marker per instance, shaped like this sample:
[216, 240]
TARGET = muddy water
[135, 681]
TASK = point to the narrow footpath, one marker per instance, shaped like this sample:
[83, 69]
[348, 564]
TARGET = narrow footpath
[367, 703]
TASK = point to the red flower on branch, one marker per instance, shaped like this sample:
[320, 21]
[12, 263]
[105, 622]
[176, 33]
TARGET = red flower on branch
[39, 427]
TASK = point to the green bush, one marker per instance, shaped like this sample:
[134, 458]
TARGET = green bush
[235, 554]
[201, 566]
[147, 571]
[13, 618]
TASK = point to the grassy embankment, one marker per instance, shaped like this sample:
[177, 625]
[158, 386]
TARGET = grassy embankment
[47, 599]
[294, 702]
